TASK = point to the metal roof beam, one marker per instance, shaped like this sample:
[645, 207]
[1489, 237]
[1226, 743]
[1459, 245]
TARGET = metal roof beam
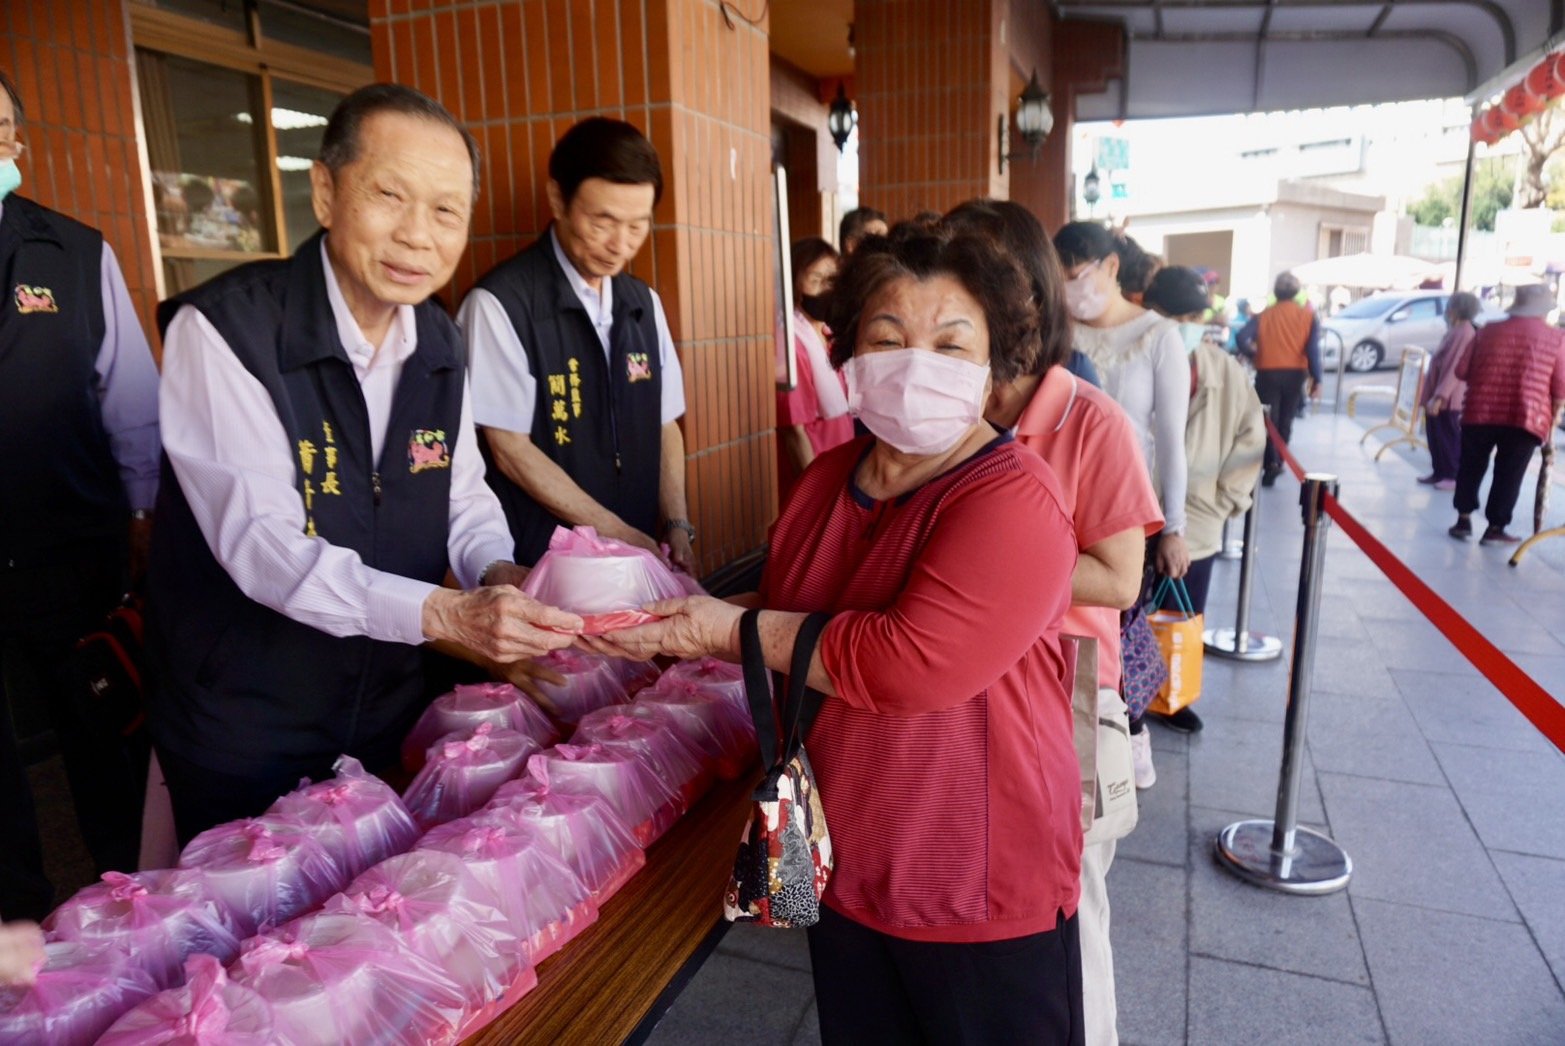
[1450, 40]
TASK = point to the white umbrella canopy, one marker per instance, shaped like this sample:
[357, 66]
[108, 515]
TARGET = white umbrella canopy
[1367, 271]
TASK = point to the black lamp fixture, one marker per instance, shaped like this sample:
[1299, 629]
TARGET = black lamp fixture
[1034, 119]
[1090, 187]
[841, 117]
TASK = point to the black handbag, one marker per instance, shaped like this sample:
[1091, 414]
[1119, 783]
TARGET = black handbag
[784, 859]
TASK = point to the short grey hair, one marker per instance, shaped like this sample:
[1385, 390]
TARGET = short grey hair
[340, 142]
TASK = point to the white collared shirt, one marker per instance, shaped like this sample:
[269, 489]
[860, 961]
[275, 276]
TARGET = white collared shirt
[500, 380]
[236, 467]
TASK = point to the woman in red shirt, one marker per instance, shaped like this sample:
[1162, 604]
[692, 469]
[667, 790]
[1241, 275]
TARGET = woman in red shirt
[943, 751]
[813, 416]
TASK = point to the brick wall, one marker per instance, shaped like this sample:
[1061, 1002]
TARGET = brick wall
[71, 64]
[518, 73]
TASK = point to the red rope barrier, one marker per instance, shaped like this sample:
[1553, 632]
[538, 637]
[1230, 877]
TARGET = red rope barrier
[1520, 689]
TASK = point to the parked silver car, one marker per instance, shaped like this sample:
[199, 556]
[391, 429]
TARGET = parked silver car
[1374, 330]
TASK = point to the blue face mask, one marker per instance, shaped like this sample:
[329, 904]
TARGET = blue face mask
[1192, 333]
[10, 178]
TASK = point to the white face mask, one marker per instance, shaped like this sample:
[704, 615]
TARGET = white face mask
[917, 400]
[1085, 300]
[10, 178]
[1192, 333]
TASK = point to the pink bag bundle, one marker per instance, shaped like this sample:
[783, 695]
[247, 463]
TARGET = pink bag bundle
[718, 677]
[265, 871]
[605, 581]
[653, 733]
[79, 992]
[586, 833]
[647, 803]
[463, 772]
[446, 916]
[546, 902]
[157, 918]
[721, 732]
[466, 708]
[592, 681]
[358, 818]
[335, 978]
[208, 1010]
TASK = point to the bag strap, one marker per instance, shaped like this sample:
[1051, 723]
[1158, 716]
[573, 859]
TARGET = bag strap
[756, 687]
[800, 704]
[1181, 594]
[803, 703]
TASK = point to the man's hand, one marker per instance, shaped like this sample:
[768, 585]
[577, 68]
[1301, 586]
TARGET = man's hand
[679, 550]
[1173, 556]
[140, 549]
[525, 676]
[1314, 389]
[21, 953]
[631, 536]
[503, 573]
[1434, 407]
[498, 622]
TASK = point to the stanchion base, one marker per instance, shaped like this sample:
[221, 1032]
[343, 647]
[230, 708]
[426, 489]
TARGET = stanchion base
[1316, 866]
[1233, 550]
[1219, 642]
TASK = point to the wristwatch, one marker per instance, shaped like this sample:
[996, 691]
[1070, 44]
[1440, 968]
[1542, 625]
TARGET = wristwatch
[681, 524]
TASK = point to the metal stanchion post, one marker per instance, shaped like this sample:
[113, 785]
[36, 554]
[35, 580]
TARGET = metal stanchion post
[1278, 854]
[1239, 643]
[1229, 548]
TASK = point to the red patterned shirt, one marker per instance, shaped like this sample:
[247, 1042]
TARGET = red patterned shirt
[945, 763]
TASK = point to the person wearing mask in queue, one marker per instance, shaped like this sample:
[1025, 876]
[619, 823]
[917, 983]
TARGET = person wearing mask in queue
[1283, 341]
[576, 383]
[812, 417]
[1136, 267]
[943, 751]
[1224, 438]
[321, 477]
[1086, 439]
[859, 223]
[1444, 393]
[79, 416]
[1144, 367]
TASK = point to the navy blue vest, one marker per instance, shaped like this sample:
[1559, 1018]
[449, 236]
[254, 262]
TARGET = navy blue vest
[599, 420]
[239, 687]
[59, 479]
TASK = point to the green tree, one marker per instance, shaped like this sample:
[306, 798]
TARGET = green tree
[1493, 182]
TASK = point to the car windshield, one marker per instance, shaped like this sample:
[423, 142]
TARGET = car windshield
[1368, 308]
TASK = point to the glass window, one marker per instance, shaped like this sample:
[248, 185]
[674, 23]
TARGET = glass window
[340, 29]
[1423, 309]
[1367, 308]
[299, 118]
[230, 14]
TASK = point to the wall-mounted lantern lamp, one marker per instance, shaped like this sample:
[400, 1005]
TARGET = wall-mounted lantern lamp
[1034, 120]
[841, 117]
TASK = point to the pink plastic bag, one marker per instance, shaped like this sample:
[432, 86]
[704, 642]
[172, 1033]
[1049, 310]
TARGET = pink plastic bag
[723, 734]
[648, 804]
[209, 1010]
[80, 991]
[654, 734]
[546, 902]
[157, 918]
[464, 770]
[718, 677]
[335, 978]
[358, 818]
[583, 830]
[264, 870]
[596, 577]
[446, 916]
[466, 708]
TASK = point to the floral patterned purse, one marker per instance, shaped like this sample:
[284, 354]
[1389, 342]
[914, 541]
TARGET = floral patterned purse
[784, 857]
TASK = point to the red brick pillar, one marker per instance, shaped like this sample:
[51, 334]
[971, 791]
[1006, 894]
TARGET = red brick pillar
[71, 63]
[518, 73]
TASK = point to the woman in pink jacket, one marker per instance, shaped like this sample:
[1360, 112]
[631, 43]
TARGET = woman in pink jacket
[1444, 392]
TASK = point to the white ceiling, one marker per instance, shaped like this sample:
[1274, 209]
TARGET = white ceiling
[1195, 57]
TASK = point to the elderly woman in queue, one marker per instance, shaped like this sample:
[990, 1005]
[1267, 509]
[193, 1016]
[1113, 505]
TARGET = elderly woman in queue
[813, 416]
[943, 751]
[1090, 445]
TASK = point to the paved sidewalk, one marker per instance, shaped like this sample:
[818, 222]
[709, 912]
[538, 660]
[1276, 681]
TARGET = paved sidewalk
[1451, 805]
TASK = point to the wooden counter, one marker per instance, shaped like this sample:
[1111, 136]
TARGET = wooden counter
[602, 985]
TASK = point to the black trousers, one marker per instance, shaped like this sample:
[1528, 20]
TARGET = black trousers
[872, 988]
[1282, 392]
[1512, 449]
[44, 610]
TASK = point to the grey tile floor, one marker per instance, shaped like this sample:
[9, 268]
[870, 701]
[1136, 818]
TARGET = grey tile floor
[1451, 805]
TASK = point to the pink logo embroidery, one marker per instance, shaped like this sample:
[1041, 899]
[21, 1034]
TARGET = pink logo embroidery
[637, 367]
[34, 299]
[427, 450]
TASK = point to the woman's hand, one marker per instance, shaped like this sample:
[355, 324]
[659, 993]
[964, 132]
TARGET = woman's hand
[1173, 556]
[1434, 406]
[21, 952]
[691, 627]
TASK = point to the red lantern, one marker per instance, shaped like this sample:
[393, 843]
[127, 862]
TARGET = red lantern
[1500, 122]
[1543, 79]
[1481, 133]
[1556, 87]
[1521, 103]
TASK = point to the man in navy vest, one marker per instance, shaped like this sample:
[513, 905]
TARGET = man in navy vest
[322, 474]
[576, 383]
[78, 414]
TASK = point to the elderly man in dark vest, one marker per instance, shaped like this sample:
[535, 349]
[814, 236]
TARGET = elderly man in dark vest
[78, 414]
[1284, 343]
[576, 384]
[322, 475]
